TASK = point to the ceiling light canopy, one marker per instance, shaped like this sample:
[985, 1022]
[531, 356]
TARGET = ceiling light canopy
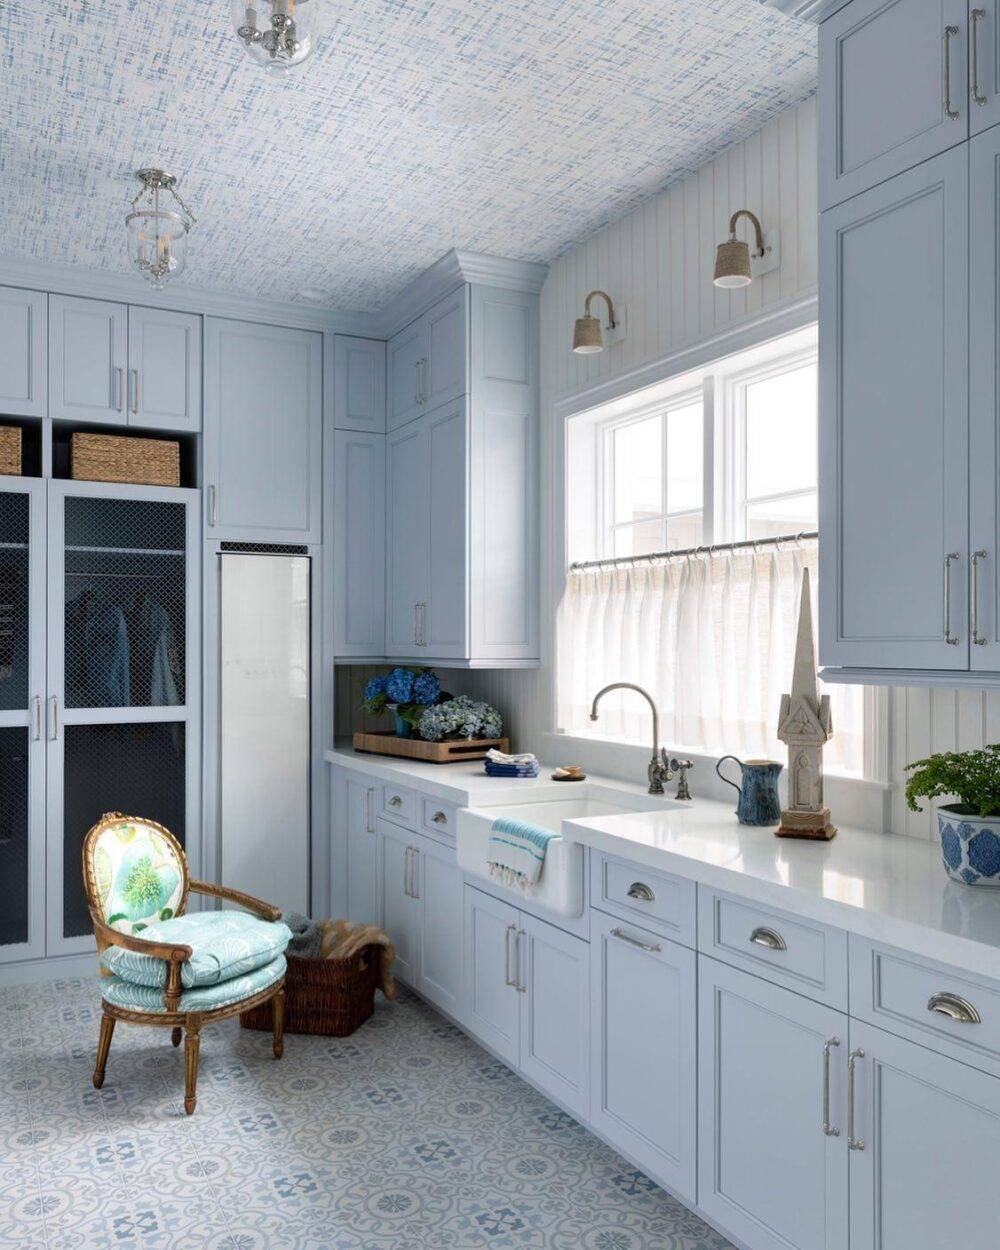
[278, 34]
[158, 225]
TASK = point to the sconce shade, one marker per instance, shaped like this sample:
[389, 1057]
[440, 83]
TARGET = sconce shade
[587, 336]
[732, 264]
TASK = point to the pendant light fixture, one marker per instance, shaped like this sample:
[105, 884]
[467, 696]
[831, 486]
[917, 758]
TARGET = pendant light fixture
[158, 226]
[278, 34]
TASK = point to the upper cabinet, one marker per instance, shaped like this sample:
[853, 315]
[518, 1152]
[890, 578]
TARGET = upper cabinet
[112, 364]
[428, 360]
[358, 384]
[263, 432]
[164, 369]
[461, 580]
[358, 543]
[22, 352]
[894, 89]
[909, 344]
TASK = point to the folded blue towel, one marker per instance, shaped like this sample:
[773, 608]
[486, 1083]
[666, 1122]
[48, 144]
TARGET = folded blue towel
[511, 772]
[517, 852]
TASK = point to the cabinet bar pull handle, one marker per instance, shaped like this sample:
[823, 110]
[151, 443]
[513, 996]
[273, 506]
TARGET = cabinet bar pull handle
[974, 19]
[133, 377]
[119, 388]
[508, 979]
[36, 717]
[416, 624]
[415, 856]
[949, 33]
[974, 596]
[955, 1007]
[770, 939]
[652, 947]
[828, 1128]
[521, 987]
[641, 891]
[406, 872]
[213, 506]
[946, 602]
[53, 718]
[369, 796]
[855, 1143]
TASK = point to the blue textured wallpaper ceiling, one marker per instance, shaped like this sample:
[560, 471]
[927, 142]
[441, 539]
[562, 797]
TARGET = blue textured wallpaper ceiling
[516, 127]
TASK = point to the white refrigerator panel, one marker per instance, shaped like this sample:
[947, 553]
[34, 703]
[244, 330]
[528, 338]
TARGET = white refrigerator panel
[264, 784]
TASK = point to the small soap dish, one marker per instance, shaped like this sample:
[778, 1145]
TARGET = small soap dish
[573, 773]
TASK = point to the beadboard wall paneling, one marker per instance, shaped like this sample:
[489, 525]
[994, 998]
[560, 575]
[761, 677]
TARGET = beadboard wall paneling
[658, 259]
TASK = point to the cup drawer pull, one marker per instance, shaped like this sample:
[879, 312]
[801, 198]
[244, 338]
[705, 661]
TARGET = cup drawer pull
[768, 938]
[439, 818]
[639, 890]
[954, 1007]
[395, 801]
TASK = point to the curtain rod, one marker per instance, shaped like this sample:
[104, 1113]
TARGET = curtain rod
[612, 561]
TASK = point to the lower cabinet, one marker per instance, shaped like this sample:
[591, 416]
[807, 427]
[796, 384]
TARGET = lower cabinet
[421, 910]
[354, 803]
[644, 1049]
[527, 996]
[926, 1137]
[772, 1153]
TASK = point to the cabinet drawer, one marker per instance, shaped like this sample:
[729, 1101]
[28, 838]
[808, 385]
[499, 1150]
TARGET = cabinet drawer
[801, 955]
[438, 817]
[400, 806]
[950, 1011]
[664, 903]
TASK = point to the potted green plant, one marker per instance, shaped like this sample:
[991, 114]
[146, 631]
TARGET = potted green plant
[970, 828]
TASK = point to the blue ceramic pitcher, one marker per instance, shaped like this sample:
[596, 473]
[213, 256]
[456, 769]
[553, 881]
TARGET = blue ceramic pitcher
[758, 803]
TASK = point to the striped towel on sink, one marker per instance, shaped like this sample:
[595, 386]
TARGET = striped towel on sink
[517, 853]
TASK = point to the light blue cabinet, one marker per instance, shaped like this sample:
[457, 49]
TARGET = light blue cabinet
[88, 360]
[984, 402]
[263, 432]
[437, 882]
[358, 384]
[894, 468]
[22, 709]
[23, 352]
[400, 904]
[492, 1009]
[984, 52]
[894, 90]
[164, 370]
[462, 537]
[359, 500]
[926, 1130]
[644, 1049]
[354, 808]
[427, 361]
[768, 1170]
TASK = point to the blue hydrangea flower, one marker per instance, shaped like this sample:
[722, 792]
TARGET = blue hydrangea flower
[399, 685]
[426, 688]
[461, 717]
[374, 686]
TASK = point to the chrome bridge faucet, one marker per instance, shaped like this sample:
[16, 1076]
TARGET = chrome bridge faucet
[659, 768]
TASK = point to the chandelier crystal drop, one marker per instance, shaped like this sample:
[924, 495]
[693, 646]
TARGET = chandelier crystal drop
[278, 34]
[158, 225]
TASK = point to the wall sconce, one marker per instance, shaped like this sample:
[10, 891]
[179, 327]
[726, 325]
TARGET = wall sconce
[734, 264]
[589, 335]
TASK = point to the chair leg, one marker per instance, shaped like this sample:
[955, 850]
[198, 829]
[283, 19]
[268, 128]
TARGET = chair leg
[103, 1046]
[192, 1044]
[175, 1036]
[278, 1022]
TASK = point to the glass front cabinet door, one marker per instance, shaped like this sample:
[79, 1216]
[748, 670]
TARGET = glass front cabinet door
[123, 657]
[22, 742]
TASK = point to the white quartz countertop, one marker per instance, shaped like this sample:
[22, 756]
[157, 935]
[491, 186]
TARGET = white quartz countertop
[885, 887]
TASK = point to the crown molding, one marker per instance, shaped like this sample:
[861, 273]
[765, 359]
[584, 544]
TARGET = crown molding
[451, 270]
[103, 284]
[807, 10]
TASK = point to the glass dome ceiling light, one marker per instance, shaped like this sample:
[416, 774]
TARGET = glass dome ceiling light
[158, 226]
[278, 34]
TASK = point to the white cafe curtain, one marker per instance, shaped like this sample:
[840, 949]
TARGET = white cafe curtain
[711, 636]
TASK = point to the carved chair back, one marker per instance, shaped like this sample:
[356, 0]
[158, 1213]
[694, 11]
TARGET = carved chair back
[134, 873]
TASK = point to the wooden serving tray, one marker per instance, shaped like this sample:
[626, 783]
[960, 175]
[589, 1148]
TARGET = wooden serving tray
[430, 752]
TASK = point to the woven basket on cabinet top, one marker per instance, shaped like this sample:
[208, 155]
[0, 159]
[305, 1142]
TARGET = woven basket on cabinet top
[112, 458]
[10, 450]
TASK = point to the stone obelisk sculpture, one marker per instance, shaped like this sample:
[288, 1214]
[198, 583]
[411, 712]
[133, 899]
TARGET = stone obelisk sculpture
[804, 723]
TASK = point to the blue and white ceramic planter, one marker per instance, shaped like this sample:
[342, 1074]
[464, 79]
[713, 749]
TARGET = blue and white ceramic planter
[970, 846]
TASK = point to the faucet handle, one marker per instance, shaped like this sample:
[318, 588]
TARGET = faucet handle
[666, 765]
[682, 766]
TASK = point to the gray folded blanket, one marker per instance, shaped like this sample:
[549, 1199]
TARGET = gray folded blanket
[306, 935]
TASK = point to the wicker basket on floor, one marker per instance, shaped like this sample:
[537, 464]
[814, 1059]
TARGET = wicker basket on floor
[328, 996]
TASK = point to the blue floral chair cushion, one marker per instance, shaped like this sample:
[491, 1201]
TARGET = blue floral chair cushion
[224, 944]
[135, 997]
